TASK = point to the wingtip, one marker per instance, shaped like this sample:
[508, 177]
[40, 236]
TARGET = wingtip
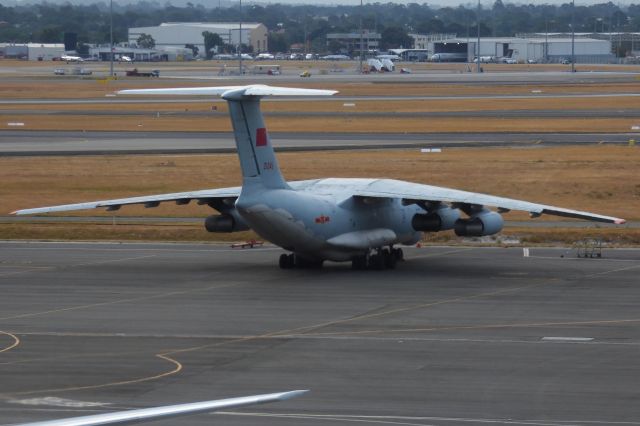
[292, 394]
[619, 221]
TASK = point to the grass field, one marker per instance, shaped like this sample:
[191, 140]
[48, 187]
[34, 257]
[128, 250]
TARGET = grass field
[596, 178]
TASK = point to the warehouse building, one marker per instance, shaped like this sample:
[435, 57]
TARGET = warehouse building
[538, 49]
[350, 43]
[179, 34]
[32, 51]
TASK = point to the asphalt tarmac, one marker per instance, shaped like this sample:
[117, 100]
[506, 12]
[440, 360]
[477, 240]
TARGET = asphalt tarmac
[455, 335]
[24, 143]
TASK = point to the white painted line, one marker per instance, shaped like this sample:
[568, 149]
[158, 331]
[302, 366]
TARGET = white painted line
[525, 252]
[349, 105]
[53, 401]
[428, 150]
[568, 339]
[15, 124]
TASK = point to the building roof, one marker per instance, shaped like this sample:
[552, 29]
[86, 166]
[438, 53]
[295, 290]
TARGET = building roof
[520, 39]
[218, 25]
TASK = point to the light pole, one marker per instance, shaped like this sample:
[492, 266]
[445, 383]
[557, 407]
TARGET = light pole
[546, 41]
[573, 36]
[478, 42]
[111, 38]
[361, 37]
[240, 40]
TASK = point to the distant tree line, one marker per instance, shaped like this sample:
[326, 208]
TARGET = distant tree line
[289, 24]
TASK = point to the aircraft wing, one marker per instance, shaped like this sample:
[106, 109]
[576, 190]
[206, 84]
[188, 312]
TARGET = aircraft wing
[413, 192]
[203, 197]
[167, 411]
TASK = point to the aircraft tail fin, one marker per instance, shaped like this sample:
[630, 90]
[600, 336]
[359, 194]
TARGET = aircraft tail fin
[257, 159]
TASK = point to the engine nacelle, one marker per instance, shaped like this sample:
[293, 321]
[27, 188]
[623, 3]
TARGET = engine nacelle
[224, 223]
[437, 220]
[484, 223]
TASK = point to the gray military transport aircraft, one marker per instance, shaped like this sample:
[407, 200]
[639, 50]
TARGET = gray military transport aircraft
[167, 411]
[357, 220]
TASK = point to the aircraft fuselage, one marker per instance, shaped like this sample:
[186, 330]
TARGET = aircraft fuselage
[305, 221]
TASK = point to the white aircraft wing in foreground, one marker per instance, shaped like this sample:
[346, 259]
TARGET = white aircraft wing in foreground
[357, 220]
[167, 411]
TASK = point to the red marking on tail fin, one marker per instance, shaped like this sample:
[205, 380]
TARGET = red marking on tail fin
[261, 137]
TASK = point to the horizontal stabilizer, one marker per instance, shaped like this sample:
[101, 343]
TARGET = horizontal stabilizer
[231, 92]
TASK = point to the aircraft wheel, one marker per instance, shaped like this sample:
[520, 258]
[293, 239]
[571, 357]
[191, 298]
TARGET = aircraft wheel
[398, 254]
[285, 262]
[377, 261]
[389, 259]
[359, 263]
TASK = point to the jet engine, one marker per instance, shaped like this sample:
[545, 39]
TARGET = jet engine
[224, 223]
[485, 222]
[438, 220]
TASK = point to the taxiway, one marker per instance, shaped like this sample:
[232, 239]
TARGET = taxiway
[455, 335]
[28, 142]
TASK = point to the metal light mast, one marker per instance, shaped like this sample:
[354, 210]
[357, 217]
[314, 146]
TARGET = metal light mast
[573, 36]
[361, 36]
[111, 38]
[478, 42]
[240, 39]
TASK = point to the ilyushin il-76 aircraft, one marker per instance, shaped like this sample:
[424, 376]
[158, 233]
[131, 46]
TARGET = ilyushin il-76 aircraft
[168, 411]
[356, 220]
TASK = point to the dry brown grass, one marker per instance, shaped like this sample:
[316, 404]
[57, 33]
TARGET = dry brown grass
[93, 232]
[447, 105]
[595, 178]
[96, 88]
[548, 236]
[196, 233]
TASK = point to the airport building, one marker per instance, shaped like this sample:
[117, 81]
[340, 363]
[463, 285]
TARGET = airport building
[172, 54]
[538, 49]
[32, 51]
[179, 34]
[350, 42]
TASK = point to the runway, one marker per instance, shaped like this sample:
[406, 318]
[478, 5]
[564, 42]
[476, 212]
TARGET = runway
[24, 143]
[455, 335]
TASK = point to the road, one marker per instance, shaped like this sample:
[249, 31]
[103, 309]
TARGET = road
[453, 336]
[24, 143]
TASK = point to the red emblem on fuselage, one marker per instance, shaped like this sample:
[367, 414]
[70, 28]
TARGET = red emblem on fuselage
[261, 137]
[322, 219]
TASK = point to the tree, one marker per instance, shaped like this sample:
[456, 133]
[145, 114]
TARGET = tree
[211, 42]
[277, 42]
[146, 41]
[334, 46]
[50, 35]
[193, 48]
[395, 37]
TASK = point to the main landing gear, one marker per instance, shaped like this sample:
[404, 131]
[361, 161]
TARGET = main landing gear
[381, 258]
[290, 261]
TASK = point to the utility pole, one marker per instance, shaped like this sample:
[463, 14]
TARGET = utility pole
[546, 41]
[361, 37]
[573, 36]
[478, 69]
[111, 38]
[240, 39]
